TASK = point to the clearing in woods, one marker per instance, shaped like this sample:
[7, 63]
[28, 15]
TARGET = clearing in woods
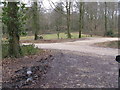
[77, 64]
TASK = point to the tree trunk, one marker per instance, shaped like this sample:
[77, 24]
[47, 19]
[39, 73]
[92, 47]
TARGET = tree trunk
[58, 31]
[36, 22]
[68, 5]
[105, 19]
[81, 12]
[58, 34]
[36, 35]
[112, 21]
[13, 30]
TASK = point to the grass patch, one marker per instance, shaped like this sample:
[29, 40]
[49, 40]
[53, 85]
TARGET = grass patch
[26, 50]
[54, 36]
[27, 38]
[51, 36]
[111, 44]
[62, 36]
[29, 50]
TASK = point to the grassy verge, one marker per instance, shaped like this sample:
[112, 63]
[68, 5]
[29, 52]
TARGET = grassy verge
[62, 36]
[111, 44]
[54, 36]
[26, 50]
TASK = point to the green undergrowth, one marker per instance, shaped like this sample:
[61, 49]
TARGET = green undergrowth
[26, 50]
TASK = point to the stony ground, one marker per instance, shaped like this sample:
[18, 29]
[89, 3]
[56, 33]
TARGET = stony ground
[78, 70]
[69, 70]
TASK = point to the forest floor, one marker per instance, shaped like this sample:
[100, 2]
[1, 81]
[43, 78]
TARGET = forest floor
[64, 69]
[77, 64]
[14, 71]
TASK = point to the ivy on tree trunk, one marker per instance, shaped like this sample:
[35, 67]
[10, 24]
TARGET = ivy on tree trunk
[13, 18]
[13, 30]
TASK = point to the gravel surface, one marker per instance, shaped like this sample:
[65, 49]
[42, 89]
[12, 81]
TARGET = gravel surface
[83, 65]
[68, 70]
[84, 46]
[80, 70]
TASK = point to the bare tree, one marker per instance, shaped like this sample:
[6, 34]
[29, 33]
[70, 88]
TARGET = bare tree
[105, 19]
[58, 17]
[68, 9]
[35, 16]
[81, 18]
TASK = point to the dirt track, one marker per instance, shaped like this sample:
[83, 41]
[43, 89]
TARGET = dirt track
[83, 46]
[79, 64]
[78, 70]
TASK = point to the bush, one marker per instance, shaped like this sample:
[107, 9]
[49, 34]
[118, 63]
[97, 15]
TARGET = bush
[29, 50]
[26, 50]
[110, 33]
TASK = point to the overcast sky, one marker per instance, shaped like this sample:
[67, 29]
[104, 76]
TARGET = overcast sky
[47, 5]
[68, 0]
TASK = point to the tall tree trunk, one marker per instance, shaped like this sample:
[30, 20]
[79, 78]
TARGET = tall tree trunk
[105, 33]
[68, 5]
[13, 30]
[1, 26]
[36, 35]
[58, 31]
[81, 16]
[112, 21]
[36, 20]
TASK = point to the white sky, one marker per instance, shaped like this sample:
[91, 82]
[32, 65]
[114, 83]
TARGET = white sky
[47, 5]
[68, 0]
[45, 2]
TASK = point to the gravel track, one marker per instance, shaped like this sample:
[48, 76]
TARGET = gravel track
[79, 64]
[80, 70]
[85, 46]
